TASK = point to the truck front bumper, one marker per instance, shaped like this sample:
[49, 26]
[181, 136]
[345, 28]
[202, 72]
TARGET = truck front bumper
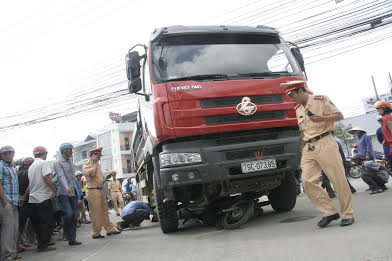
[222, 158]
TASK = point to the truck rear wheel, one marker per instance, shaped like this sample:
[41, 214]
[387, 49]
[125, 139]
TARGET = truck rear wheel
[167, 211]
[284, 197]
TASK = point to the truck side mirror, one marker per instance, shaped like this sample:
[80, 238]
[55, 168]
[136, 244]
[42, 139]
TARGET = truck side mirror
[298, 56]
[132, 61]
[134, 85]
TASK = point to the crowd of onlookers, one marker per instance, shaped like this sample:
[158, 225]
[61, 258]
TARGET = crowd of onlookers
[375, 172]
[39, 204]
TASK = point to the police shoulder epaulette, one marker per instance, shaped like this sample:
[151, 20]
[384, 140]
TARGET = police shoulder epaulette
[319, 97]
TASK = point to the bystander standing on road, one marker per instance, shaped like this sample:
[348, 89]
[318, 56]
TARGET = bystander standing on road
[364, 145]
[384, 109]
[58, 224]
[68, 193]
[99, 214]
[374, 174]
[40, 193]
[82, 209]
[316, 116]
[134, 213]
[24, 209]
[381, 140]
[115, 192]
[9, 197]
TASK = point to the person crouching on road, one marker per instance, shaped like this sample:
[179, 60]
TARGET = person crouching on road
[115, 192]
[68, 192]
[134, 213]
[316, 116]
[99, 213]
[374, 174]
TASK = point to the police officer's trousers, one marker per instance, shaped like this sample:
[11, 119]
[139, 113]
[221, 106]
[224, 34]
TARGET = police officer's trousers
[324, 155]
[99, 213]
[117, 198]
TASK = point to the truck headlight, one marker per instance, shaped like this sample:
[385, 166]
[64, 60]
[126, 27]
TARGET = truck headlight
[179, 158]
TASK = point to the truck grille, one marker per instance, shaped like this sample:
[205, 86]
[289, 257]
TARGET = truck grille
[231, 118]
[221, 102]
[249, 153]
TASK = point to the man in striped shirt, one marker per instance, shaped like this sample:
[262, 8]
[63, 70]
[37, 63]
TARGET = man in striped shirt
[9, 197]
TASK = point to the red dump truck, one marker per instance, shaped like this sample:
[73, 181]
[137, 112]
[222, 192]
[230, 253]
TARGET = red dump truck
[215, 131]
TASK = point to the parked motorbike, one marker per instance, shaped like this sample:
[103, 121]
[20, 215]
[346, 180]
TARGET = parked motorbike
[354, 171]
[127, 198]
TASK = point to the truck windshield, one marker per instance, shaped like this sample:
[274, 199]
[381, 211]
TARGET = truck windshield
[219, 57]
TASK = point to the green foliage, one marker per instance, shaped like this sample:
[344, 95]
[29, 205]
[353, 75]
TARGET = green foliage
[348, 140]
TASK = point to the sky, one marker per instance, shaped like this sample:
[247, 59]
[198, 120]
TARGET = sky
[53, 49]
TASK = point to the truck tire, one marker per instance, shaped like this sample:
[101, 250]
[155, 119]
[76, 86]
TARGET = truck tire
[167, 211]
[284, 197]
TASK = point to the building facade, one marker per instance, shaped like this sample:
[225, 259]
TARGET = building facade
[115, 139]
[81, 151]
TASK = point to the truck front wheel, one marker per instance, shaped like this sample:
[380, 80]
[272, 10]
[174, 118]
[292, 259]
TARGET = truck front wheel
[284, 197]
[167, 211]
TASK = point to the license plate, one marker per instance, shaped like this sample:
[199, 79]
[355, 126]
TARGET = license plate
[258, 165]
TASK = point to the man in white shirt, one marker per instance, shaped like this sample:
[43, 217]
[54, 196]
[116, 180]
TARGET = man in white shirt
[41, 191]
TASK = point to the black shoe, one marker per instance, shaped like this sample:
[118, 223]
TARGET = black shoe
[346, 222]
[326, 220]
[332, 195]
[115, 232]
[45, 249]
[99, 236]
[376, 191]
[74, 243]
[383, 187]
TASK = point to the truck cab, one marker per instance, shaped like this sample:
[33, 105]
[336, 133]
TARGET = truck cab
[214, 129]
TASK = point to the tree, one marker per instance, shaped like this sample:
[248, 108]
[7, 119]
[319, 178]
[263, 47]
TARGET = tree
[341, 131]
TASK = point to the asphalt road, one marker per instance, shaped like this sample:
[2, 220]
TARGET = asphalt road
[272, 236]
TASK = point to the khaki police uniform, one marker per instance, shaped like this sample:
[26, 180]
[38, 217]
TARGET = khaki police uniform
[115, 193]
[322, 153]
[99, 214]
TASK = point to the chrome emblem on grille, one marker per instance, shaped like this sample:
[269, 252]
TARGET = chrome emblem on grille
[246, 107]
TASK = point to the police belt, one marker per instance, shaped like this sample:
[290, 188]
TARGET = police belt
[95, 188]
[319, 137]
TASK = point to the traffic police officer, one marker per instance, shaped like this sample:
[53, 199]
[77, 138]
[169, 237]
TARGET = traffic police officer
[99, 214]
[115, 192]
[316, 116]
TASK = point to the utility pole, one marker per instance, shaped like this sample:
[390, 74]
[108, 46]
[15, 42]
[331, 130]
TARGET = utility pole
[375, 90]
[390, 82]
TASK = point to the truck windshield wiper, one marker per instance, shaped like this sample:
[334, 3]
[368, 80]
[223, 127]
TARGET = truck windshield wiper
[200, 77]
[264, 74]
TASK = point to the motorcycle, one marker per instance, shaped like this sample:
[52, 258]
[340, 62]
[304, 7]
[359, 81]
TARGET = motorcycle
[354, 171]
